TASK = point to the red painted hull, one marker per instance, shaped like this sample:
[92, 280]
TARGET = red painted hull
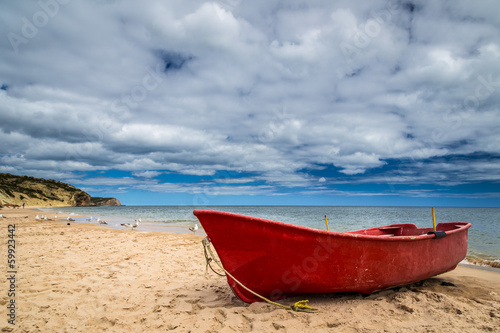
[278, 260]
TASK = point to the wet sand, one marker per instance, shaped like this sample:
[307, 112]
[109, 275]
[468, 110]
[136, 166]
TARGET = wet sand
[89, 278]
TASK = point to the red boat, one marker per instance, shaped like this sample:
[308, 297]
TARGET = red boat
[278, 260]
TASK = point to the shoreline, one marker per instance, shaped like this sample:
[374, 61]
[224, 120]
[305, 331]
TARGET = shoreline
[115, 223]
[485, 267]
[81, 277]
[472, 261]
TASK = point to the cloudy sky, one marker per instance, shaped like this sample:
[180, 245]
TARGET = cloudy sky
[255, 102]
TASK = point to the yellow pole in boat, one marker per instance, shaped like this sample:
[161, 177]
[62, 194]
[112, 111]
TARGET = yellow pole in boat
[326, 221]
[433, 219]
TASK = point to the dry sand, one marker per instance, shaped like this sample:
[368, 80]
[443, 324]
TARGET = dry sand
[89, 278]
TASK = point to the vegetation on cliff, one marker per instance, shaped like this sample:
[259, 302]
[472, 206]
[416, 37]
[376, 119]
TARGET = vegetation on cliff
[16, 190]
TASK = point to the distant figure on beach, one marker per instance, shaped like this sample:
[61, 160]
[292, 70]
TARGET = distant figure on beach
[23, 205]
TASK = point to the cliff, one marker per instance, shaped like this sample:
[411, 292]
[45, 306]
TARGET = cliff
[16, 190]
[96, 201]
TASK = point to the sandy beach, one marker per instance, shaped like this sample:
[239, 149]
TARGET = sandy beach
[89, 278]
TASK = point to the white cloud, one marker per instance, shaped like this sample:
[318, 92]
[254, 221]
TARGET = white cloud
[146, 174]
[276, 90]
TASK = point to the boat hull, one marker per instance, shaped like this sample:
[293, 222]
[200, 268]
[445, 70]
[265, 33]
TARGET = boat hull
[278, 260]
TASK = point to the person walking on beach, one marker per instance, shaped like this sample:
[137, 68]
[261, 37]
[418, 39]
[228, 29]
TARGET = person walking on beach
[23, 205]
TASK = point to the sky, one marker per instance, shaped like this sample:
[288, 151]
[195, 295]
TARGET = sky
[262, 102]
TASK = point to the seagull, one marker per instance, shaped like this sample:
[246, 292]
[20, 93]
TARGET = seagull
[37, 217]
[3, 216]
[194, 229]
[90, 219]
[131, 226]
[70, 219]
[101, 221]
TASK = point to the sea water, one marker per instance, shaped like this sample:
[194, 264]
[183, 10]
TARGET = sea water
[484, 235]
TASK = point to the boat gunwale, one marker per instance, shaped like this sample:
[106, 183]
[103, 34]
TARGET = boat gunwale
[347, 234]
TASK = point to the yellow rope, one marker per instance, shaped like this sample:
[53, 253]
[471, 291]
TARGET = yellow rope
[300, 306]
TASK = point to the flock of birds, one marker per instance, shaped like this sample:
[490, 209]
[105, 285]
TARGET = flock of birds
[130, 226]
[98, 220]
[44, 217]
[90, 219]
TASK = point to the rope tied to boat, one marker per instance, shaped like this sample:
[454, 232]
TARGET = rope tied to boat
[300, 306]
[209, 259]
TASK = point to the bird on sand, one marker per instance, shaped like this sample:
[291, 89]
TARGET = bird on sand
[101, 221]
[2, 216]
[194, 229]
[131, 226]
[69, 219]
